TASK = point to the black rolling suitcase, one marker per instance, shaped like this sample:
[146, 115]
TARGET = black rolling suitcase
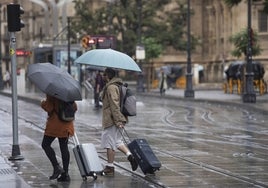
[87, 159]
[144, 155]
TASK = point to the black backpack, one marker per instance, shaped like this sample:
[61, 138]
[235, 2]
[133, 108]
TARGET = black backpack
[127, 100]
[66, 111]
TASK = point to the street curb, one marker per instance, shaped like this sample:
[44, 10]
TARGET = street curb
[251, 106]
[33, 100]
[214, 101]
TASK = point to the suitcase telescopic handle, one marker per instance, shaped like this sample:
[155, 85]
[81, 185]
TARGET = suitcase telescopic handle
[123, 133]
[75, 139]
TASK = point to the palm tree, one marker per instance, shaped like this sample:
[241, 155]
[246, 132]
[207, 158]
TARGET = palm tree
[240, 41]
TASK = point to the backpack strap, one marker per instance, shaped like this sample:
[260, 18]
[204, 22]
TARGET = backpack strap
[119, 85]
[55, 110]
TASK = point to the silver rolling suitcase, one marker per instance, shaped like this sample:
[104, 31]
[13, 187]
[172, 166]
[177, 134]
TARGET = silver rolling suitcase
[87, 159]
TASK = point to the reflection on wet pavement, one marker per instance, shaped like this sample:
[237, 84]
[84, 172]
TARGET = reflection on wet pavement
[199, 144]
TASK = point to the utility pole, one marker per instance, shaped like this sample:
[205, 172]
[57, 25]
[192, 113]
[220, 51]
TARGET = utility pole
[1, 76]
[14, 24]
[69, 46]
[140, 81]
[249, 95]
[189, 92]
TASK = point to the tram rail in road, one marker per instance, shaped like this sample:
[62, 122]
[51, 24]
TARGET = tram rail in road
[198, 142]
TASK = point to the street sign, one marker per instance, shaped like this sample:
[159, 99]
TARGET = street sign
[140, 52]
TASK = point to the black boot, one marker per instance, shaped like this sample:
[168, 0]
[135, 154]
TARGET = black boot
[64, 177]
[57, 171]
[133, 162]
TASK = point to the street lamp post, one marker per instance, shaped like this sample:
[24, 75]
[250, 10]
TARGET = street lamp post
[69, 46]
[189, 92]
[140, 81]
[1, 76]
[249, 95]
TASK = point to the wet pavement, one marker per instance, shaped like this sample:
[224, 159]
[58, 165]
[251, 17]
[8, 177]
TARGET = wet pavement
[213, 140]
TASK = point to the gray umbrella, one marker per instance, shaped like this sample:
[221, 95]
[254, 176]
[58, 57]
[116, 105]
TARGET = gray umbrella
[54, 81]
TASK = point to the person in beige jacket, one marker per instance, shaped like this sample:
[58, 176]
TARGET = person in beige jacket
[112, 121]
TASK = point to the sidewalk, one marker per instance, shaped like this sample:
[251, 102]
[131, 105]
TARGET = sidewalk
[213, 94]
[11, 176]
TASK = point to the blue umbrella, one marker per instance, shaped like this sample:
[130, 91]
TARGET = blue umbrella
[108, 58]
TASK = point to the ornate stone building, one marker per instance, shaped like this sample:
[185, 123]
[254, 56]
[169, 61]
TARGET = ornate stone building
[213, 23]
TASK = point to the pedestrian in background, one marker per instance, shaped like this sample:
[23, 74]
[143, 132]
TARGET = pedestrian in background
[97, 89]
[56, 128]
[112, 121]
[7, 79]
[162, 82]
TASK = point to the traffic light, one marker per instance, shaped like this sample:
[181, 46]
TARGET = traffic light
[14, 22]
[85, 41]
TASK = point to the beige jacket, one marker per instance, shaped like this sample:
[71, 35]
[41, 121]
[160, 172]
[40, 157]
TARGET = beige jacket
[111, 104]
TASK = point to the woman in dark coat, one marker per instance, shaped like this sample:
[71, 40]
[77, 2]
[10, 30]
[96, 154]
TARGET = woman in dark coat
[56, 128]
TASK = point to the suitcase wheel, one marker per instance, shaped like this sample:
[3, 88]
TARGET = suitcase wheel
[94, 175]
[152, 171]
[84, 178]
